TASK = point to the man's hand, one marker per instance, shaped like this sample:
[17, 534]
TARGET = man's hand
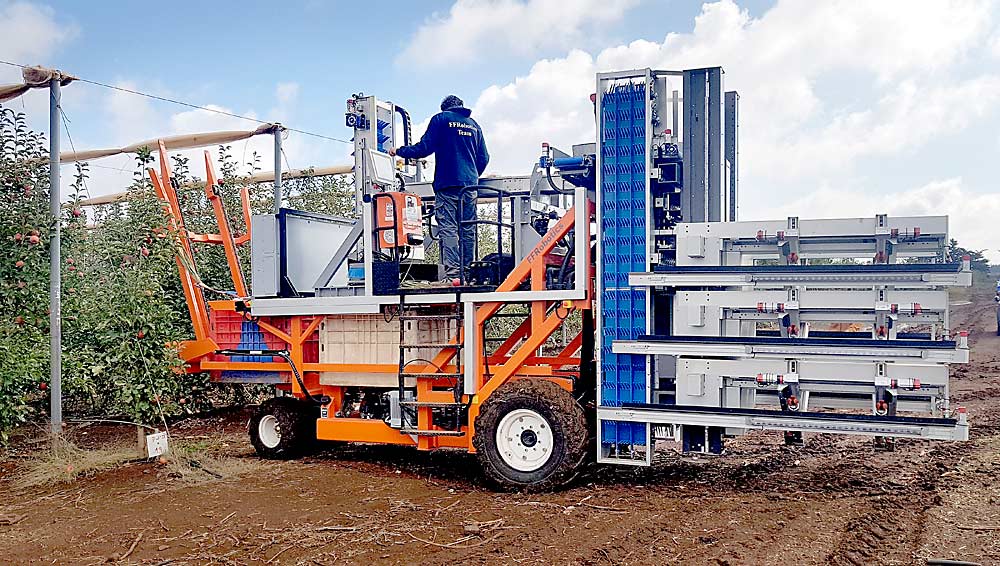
[392, 151]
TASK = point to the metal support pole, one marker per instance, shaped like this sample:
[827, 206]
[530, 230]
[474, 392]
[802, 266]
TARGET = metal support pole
[55, 271]
[277, 167]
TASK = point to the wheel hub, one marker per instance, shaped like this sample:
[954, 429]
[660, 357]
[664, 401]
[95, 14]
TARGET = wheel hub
[529, 438]
[524, 440]
[269, 431]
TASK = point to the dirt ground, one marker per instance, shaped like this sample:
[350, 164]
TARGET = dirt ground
[833, 501]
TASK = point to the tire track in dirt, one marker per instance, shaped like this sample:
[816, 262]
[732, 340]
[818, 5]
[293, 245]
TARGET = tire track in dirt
[891, 530]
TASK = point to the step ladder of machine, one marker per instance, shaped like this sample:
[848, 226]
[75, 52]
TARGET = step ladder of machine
[444, 323]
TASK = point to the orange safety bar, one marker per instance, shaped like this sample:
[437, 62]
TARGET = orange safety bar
[164, 185]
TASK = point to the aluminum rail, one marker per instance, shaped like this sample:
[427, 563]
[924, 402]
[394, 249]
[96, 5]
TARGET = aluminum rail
[902, 275]
[946, 352]
[757, 419]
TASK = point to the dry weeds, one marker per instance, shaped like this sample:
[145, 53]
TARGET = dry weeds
[64, 461]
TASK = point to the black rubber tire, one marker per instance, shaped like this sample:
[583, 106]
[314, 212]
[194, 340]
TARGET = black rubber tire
[297, 428]
[566, 419]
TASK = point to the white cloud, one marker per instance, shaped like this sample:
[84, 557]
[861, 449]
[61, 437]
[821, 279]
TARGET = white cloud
[994, 43]
[29, 34]
[905, 118]
[473, 28]
[823, 86]
[775, 62]
[133, 118]
[550, 104]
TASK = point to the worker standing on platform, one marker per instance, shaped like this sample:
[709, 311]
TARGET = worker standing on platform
[457, 142]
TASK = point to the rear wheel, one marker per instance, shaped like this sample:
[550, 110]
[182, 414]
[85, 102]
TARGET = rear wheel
[531, 435]
[282, 428]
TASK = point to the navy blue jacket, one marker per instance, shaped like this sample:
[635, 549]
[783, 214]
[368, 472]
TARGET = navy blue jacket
[457, 143]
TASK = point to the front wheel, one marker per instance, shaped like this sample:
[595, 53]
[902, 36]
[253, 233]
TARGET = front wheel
[281, 428]
[531, 435]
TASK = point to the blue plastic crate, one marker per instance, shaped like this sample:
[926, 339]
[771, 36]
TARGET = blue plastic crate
[251, 338]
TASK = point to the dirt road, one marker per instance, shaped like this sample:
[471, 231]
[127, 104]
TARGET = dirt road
[834, 501]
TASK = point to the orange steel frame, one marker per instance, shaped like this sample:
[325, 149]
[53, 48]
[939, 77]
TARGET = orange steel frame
[517, 357]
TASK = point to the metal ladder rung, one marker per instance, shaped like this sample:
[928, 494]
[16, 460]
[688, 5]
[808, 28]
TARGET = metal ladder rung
[431, 374]
[430, 317]
[432, 345]
[420, 432]
[431, 404]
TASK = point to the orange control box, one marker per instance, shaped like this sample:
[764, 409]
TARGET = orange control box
[399, 210]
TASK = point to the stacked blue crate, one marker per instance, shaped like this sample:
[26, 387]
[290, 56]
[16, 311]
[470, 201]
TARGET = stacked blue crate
[623, 227]
[252, 338]
[381, 135]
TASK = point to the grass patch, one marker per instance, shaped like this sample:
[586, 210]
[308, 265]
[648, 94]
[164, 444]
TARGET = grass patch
[191, 460]
[200, 460]
[63, 461]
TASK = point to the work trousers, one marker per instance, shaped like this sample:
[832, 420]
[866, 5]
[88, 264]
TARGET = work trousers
[452, 206]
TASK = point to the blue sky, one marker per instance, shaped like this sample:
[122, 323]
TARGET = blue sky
[849, 108]
[213, 52]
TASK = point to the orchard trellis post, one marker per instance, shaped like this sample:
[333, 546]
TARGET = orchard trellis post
[55, 263]
[277, 167]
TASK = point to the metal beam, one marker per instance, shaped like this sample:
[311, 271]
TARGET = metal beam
[277, 167]
[55, 260]
[341, 254]
[743, 347]
[733, 150]
[751, 419]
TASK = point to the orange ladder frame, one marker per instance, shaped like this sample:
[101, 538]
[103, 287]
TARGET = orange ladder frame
[516, 358]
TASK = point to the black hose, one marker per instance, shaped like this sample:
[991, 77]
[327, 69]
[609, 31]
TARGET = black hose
[283, 354]
[569, 254]
[548, 175]
[406, 124]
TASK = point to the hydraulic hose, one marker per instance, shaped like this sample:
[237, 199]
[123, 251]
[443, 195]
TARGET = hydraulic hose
[570, 248]
[548, 175]
[406, 124]
[283, 354]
